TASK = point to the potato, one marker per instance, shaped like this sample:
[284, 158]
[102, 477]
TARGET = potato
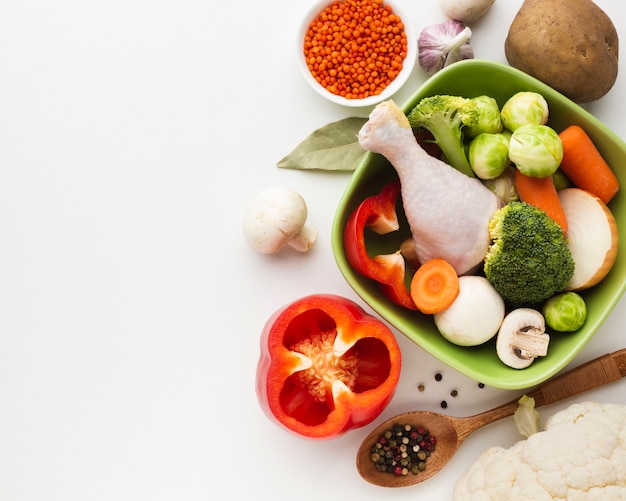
[571, 45]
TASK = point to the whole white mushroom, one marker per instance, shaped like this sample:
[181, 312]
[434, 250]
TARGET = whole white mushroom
[475, 315]
[275, 218]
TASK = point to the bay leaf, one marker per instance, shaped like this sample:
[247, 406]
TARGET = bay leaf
[333, 146]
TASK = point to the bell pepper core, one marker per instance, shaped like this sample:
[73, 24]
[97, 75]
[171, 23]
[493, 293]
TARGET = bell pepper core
[326, 366]
[378, 212]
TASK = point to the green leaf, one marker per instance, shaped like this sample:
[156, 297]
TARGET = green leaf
[332, 147]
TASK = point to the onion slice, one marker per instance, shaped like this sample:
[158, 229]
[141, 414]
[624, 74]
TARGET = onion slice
[592, 237]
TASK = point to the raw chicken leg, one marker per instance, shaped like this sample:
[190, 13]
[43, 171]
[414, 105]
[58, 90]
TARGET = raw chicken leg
[447, 211]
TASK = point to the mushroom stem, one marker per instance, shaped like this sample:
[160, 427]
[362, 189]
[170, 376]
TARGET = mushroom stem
[530, 343]
[304, 239]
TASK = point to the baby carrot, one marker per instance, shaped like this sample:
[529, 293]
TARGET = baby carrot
[585, 166]
[434, 286]
[541, 193]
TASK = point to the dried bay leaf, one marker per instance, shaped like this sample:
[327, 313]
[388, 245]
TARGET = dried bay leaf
[333, 146]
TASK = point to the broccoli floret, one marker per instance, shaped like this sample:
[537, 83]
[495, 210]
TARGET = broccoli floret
[445, 117]
[528, 260]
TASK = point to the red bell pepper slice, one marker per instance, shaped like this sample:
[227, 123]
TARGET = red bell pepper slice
[326, 366]
[378, 212]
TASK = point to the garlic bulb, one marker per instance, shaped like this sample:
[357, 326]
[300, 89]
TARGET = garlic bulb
[442, 44]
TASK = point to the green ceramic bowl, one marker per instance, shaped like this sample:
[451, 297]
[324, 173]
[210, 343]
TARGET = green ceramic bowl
[472, 78]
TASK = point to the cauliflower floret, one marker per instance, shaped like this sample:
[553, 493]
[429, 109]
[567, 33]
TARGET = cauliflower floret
[580, 456]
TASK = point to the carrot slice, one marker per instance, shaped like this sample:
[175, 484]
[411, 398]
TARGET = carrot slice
[541, 193]
[434, 286]
[585, 166]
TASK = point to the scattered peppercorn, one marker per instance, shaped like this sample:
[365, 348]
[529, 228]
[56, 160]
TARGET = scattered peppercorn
[481, 385]
[356, 48]
[454, 393]
[438, 377]
[421, 387]
[403, 449]
[444, 404]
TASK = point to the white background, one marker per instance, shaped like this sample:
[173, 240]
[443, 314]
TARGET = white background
[132, 135]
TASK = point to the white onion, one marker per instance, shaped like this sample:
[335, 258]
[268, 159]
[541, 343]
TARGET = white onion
[592, 237]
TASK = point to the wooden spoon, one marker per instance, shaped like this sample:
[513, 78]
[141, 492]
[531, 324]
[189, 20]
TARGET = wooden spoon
[450, 432]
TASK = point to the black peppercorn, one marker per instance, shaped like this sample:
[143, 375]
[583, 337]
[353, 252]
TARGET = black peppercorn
[405, 453]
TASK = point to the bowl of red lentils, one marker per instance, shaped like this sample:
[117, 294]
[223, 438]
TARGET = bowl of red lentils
[356, 52]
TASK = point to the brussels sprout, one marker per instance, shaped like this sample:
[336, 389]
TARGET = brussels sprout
[489, 119]
[561, 181]
[524, 108]
[504, 185]
[565, 312]
[488, 155]
[536, 150]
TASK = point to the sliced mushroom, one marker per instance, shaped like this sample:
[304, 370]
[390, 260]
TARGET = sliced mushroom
[522, 338]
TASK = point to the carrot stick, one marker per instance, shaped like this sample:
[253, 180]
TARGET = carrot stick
[434, 286]
[541, 193]
[585, 166]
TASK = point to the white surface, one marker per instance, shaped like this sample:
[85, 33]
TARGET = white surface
[132, 135]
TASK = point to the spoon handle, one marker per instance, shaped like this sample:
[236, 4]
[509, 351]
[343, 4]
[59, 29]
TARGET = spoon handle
[597, 372]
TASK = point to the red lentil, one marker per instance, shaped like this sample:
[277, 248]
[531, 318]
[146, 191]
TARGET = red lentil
[356, 48]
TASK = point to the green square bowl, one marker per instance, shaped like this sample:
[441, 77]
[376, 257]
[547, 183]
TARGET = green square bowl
[473, 78]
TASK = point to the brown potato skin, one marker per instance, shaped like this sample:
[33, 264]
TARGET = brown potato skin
[571, 45]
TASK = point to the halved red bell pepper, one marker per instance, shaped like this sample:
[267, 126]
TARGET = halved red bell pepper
[326, 366]
[378, 212]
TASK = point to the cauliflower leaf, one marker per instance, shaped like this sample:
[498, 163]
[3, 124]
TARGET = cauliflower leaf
[526, 417]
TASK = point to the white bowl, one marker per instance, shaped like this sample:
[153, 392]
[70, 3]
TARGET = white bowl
[407, 67]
